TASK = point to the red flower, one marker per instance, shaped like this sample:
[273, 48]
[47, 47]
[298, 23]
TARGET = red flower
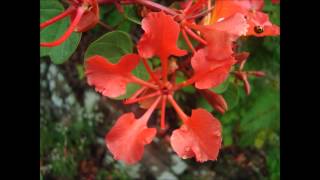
[111, 79]
[221, 35]
[259, 24]
[128, 136]
[160, 36]
[84, 15]
[199, 136]
[210, 73]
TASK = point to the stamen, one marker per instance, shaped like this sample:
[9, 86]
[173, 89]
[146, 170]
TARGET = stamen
[152, 75]
[163, 112]
[80, 12]
[195, 36]
[180, 112]
[58, 17]
[187, 40]
[134, 100]
[142, 82]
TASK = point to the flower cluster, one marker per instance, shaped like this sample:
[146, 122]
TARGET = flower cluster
[215, 29]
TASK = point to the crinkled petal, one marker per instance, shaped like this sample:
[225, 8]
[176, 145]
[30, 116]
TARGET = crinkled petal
[218, 71]
[160, 36]
[221, 35]
[127, 138]
[200, 136]
[261, 20]
[110, 79]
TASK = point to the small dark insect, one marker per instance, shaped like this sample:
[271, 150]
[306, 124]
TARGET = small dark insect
[258, 29]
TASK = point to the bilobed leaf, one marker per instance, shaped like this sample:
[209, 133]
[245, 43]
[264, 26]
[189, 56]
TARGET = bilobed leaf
[61, 53]
[113, 46]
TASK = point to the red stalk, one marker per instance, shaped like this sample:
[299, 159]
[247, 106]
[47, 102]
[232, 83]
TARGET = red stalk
[80, 12]
[134, 100]
[164, 65]
[163, 111]
[187, 40]
[152, 5]
[58, 17]
[203, 13]
[180, 112]
[142, 82]
[195, 36]
[152, 75]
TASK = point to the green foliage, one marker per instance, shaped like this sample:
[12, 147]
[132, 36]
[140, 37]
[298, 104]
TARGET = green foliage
[124, 22]
[113, 46]
[61, 53]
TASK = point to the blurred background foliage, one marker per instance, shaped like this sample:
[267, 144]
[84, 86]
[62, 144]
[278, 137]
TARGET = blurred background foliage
[74, 118]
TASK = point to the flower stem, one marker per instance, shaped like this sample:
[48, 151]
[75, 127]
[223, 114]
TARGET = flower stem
[80, 12]
[58, 17]
[180, 112]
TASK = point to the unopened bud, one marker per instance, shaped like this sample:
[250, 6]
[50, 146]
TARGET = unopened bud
[215, 100]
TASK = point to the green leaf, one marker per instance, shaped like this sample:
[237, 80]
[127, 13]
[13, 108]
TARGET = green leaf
[231, 95]
[113, 46]
[61, 53]
[123, 21]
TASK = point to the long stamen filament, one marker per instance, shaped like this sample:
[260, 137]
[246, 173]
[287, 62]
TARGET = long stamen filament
[163, 112]
[195, 36]
[164, 65]
[134, 100]
[155, 79]
[180, 112]
[203, 13]
[187, 40]
[152, 5]
[138, 92]
[80, 12]
[142, 82]
[58, 17]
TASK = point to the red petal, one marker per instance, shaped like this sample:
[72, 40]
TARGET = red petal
[89, 18]
[110, 79]
[127, 138]
[160, 37]
[200, 136]
[221, 35]
[262, 20]
[224, 9]
[218, 70]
